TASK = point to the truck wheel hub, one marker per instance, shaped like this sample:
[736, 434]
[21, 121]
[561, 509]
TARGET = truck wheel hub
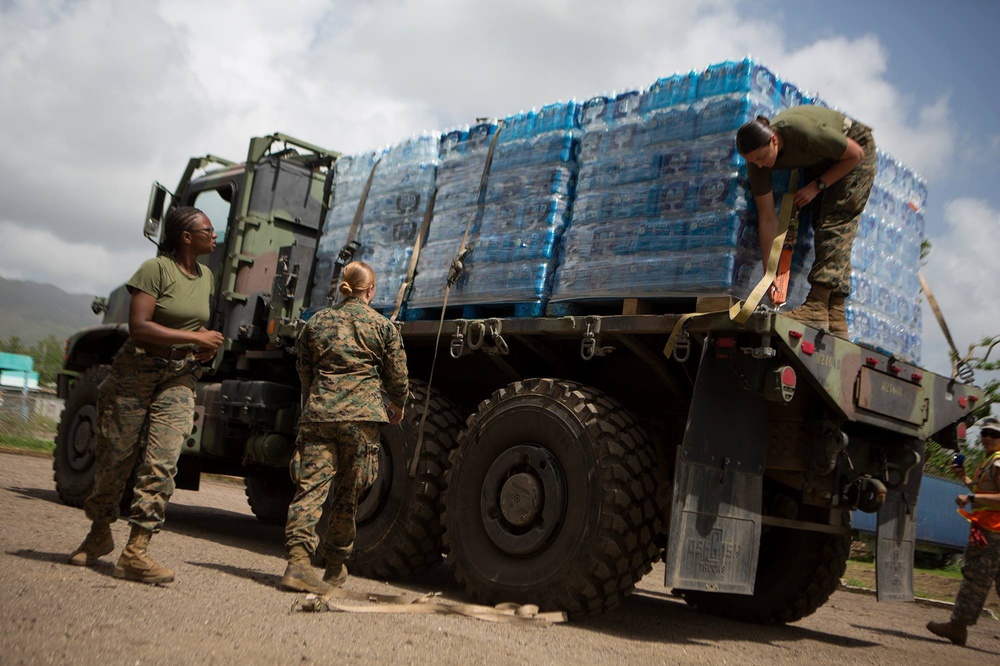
[83, 439]
[520, 499]
[523, 499]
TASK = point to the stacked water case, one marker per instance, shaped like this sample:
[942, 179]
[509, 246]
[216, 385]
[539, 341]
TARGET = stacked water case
[463, 155]
[401, 189]
[884, 306]
[350, 176]
[661, 206]
[515, 229]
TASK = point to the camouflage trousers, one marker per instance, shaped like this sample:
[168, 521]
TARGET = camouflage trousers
[141, 389]
[838, 211]
[980, 571]
[334, 463]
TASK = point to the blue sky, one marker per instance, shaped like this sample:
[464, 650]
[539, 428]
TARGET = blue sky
[101, 97]
[947, 51]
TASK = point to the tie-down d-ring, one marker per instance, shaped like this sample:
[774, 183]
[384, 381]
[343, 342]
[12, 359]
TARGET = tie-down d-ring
[474, 342]
[457, 346]
[501, 347]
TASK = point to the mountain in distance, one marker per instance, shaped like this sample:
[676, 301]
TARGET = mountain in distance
[32, 311]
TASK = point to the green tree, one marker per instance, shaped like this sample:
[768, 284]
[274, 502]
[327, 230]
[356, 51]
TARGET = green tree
[982, 361]
[48, 356]
[13, 345]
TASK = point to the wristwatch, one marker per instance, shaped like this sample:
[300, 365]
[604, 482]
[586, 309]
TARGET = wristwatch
[820, 185]
[972, 498]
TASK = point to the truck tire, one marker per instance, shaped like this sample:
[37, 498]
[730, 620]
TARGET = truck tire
[399, 518]
[796, 573]
[73, 460]
[551, 499]
[269, 492]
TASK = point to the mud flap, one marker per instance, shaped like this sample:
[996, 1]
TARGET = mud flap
[894, 546]
[718, 483]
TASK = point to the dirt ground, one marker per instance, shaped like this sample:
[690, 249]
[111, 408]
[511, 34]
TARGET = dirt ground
[925, 585]
[226, 608]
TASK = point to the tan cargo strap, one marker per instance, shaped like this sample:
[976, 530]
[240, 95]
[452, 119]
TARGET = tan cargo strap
[453, 274]
[424, 604]
[960, 367]
[350, 248]
[741, 310]
[411, 271]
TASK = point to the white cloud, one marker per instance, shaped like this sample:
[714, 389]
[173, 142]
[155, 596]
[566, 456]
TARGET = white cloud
[961, 273]
[79, 268]
[853, 79]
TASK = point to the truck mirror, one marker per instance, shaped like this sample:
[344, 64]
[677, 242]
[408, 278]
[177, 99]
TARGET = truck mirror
[154, 212]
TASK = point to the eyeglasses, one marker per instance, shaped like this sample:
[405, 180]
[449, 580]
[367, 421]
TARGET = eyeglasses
[989, 433]
[207, 230]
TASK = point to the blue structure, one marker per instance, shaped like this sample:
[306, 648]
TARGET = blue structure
[16, 371]
[940, 528]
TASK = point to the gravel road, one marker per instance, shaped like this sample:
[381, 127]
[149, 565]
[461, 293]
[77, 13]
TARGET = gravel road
[225, 607]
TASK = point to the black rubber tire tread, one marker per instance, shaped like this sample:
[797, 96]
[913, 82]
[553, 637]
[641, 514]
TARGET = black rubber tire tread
[73, 485]
[796, 573]
[406, 538]
[599, 566]
[269, 492]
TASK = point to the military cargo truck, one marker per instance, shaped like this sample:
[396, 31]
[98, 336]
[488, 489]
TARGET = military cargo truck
[560, 457]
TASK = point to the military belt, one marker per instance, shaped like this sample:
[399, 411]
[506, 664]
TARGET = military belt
[166, 353]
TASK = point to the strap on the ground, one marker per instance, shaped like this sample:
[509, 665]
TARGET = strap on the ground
[741, 310]
[424, 604]
[959, 366]
[453, 274]
[411, 271]
[349, 249]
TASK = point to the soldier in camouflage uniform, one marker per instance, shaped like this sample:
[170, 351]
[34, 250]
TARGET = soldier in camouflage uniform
[152, 380]
[346, 354]
[981, 568]
[838, 157]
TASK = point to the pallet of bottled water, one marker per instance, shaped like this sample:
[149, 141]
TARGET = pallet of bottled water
[662, 208]
[402, 183]
[512, 227]
[639, 194]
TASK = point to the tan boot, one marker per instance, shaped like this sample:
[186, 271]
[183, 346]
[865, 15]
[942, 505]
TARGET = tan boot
[815, 311]
[136, 564]
[955, 633]
[299, 575]
[838, 316]
[335, 575]
[98, 543]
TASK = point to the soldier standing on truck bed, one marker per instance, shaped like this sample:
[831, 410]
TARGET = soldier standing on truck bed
[152, 377]
[981, 566]
[345, 354]
[838, 155]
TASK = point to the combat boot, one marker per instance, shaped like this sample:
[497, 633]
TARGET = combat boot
[955, 633]
[135, 562]
[838, 316]
[335, 575]
[98, 543]
[299, 575]
[815, 311]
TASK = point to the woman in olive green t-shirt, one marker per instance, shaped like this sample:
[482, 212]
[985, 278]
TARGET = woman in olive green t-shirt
[838, 157]
[152, 380]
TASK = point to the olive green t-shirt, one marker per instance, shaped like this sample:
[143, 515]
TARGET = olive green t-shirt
[183, 302]
[811, 135]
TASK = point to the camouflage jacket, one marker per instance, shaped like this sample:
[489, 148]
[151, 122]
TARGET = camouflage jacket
[345, 354]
